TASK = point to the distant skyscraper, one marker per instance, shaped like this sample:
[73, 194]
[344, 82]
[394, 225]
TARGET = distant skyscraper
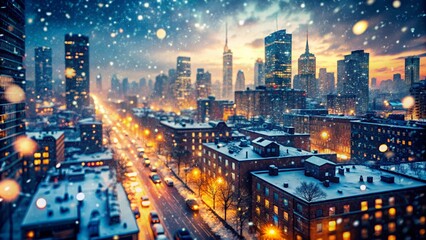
[326, 82]
[125, 88]
[306, 72]
[412, 70]
[115, 86]
[99, 82]
[77, 74]
[355, 78]
[278, 59]
[373, 82]
[340, 75]
[259, 73]
[240, 83]
[203, 84]
[183, 78]
[227, 92]
[43, 72]
[397, 77]
[159, 85]
[12, 113]
[216, 88]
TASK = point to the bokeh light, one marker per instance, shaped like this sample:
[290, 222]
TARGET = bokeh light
[9, 190]
[383, 148]
[161, 33]
[360, 27]
[41, 203]
[14, 94]
[69, 72]
[25, 145]
[408, 102]
[396, 4]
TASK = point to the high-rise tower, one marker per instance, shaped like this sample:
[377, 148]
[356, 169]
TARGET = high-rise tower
[278, 59]
[43, 72]
[227, 92]
[259, 73]
[306, 71]
[412, 70]
[240, 83]
[77, 74]
[182, 85]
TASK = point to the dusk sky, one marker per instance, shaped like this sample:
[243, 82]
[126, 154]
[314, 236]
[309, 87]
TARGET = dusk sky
[123, 34]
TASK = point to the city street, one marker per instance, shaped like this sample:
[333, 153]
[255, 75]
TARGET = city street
[166, 200]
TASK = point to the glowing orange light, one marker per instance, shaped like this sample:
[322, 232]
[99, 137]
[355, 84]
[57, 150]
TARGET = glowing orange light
[9, 190]
[70, 73]
[14, 94]
[383, 148]
[360, 27]
[408, 102]
[25, 146]
[324, 134]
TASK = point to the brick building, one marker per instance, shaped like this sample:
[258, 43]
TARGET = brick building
[217, 110]
[359, 203]
[90, 135]
[341, 104]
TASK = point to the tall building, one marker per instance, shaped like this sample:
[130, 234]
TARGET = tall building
[418, 92]
[326, 82]
[12, 73]
[77, 71]
[115, 86]
[354, 78]
[240, 83]
[210, 109]
[397, 77]
[217, 89]
[227, 92]
[183, 79]
[203, 84]
[159, 86]
[125, 88]
[43, 72]
[259, 73]
[412, 70]
[99, 83]
[278, 59]
[306, 71]
[373, 82]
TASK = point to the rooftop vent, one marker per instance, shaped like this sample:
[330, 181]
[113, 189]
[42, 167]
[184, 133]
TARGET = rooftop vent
[341, 171]
[50, 213]
[369, 179]
[387, 179]
[340, 191]
[361, 179]
[326, 183]
[348, 170]
[273, 170]
[285, 185]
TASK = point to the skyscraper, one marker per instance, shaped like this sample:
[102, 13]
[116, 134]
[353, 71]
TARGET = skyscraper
[373, 82]
[12, 76]
[326, 82]
[183, 79]
[306, 71]
[240, 83]
[259, 73]
[125, 88]
[340, 75]
[77, 71]
[412, 70]
[355, 78]
[43, 72]
[203, 84]
[159, 85]
[227, 92]
[99, 82]
[278, 59]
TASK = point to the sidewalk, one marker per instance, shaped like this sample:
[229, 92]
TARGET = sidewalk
[17, 217]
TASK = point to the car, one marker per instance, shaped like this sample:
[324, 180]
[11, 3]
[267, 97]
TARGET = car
[146, 162]
[155, 178]
[157, 229]
[161, 237]
[153, 217]
[153, 168]
[145, 201]
[192, 204]
[182, 234]
[169, 182]
[135, 210]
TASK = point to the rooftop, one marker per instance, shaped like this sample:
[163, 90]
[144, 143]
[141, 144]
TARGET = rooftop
[60, 211]
[84, 157]
[246, 153]
[349, 185]
[189, 125]
[42, 134]
[319, 161]
[275, 132]
[89, 121]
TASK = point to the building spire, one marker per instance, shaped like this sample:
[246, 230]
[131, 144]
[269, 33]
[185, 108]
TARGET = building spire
[307, 44]
[226, 38]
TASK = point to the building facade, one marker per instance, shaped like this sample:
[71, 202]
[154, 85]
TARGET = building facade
[227, 92]
[217, 110]
[182, 85]
[418, 110]
[203, 84]
[278, 59]
[43, 73]
[412, 70]
[356, 203]
[259, 73]
[77, 72]
[90, 135]
[341, 104]
[240, 83]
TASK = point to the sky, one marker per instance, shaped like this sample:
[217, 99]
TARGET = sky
[123, 34]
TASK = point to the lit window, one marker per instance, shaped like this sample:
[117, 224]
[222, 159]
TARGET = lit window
[266, 191]
[331, 211]
[379, 203]
[285, 216]
[285, 201]
[319, 227]
[332, 226]
[46, 148]
[364, 205]
[346, 208]
[276, 209]
[45, 154]
[392, 212]
[392, 201]
[37, 162]
[365, 217]
[266, 203]
[45, 161]
[257, 211]
[391, 237]
[346, 235]
[37, 155]
[378, 214]
[409, 209]
[391, 227]
[378, 230]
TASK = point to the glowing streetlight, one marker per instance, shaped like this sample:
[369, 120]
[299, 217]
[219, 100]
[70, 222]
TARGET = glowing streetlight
[324, 135]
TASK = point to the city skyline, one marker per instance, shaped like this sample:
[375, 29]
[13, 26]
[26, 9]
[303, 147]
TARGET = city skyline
[134, 50]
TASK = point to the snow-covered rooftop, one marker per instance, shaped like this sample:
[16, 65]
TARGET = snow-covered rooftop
[106, 155]
[319, 161]
[349, 185]
[247, 153]
[276, 133]
[186, 126]
[41, 135]
[60, 212]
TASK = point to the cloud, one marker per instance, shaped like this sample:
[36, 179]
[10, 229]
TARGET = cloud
[257, 43]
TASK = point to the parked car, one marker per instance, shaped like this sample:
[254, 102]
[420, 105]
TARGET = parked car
[153, 168]
[146, 162]
[169, 182]
[153, 217]
[155, 178]
[182, 234]
[145, 201]
[135, 210]
[157, 229]
[192, 204]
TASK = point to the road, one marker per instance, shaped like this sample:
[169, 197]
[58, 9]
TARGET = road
[166, 200]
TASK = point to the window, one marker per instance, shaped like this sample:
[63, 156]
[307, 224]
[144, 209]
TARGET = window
[409, 209]
[266, 191]
[332, 226]
[258, 198]
[285, 201]
[391, 237]
[258, 186]
[365, 217]
[266, 203]
[391, 201]
[275, 197]
[37, 155]
[331, 211]
[276, 209]
[45, 161]
[364, 205]
[378, 215]
[233, 166]
[392, 212]
[257, 211]
[379, 203]
[378, 230]
[318, 213]
[299, 208]
[346, 208]
[364, 233]
[285, 214]
[391, 227]
[285, 230]
[319, 227]
[346, 236]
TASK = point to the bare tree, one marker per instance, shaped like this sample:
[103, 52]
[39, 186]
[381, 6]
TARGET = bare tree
[108, 131]
[211, 189]
[242, 205]
[310, 191]
[181, 155]
[226, 197]
[197, 178]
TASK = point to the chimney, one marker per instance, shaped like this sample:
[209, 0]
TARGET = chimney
[348, 170]
[285, 185]
[370, 179]
[341, 171]
[361, 179]
[326, 183]
[273, 171]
